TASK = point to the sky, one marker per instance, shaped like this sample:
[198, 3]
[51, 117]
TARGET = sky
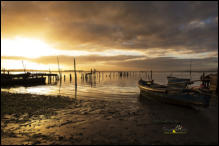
[124, 36]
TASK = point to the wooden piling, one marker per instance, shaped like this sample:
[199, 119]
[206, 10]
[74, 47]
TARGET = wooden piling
[24, 66]
[59, 68]
[70, 78]
[190, 71]
[49, 77]
[75, 78]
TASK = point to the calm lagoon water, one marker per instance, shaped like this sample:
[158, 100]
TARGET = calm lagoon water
[106, 85]
[113, 101]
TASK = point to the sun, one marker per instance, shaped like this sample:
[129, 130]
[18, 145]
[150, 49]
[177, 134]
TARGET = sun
[26, 47]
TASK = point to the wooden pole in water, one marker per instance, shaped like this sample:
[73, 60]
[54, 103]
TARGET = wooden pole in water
[75, 79]
[59, 68]
[23, 66]
[151, 74]
[70, 78]
[190, 72]
[146, 75]
[75, 72]
[49, 77]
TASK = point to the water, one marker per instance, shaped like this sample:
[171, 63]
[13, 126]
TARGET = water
[106, 85]
[112, 101]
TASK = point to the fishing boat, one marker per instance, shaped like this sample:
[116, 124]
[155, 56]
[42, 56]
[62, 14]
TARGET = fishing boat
[172, 79]
[178, 82]
[21, 79]
[168, 94]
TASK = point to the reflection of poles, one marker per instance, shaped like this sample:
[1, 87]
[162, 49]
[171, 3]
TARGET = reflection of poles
[70, 78]
[60, 85]
[146, 75]
[102, 76]
[75, 92]
[75, 79]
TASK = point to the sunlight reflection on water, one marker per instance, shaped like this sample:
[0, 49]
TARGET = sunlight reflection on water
[106, 86]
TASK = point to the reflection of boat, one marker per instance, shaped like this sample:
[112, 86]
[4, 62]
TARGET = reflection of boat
[180, 96]
[21, 79]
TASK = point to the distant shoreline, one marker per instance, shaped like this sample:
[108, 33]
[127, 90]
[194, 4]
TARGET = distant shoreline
[19, 70]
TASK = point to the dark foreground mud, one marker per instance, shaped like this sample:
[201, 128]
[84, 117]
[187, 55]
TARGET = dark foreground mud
[36, 119]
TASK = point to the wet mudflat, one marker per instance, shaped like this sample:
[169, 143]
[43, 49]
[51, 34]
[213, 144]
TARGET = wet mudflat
[36, 119]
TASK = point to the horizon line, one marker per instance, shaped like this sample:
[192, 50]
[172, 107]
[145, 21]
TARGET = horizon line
[16, 70]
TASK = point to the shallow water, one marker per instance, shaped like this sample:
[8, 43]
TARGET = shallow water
[106, 85]
[108, 111]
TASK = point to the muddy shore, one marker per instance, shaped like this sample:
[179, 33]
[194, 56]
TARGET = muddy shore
[38, 119]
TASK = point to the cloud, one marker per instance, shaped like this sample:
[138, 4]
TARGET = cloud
[122, 62]
[120, 25]
[171, 64]
[68, 60]
[179, 27]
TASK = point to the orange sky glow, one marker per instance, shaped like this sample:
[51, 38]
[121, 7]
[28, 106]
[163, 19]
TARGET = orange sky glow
[109, 36]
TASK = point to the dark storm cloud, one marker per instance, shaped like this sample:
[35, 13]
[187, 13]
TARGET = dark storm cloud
[158, 29]
[171, 64]
[117, 25]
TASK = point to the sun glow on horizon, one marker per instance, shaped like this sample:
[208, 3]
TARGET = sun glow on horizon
[32, 48]
[17, 64]
[25, 47]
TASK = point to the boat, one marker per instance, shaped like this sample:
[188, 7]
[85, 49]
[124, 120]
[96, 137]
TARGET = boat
[21, 79]
[168, 94]
[178, 82]
[172, 79]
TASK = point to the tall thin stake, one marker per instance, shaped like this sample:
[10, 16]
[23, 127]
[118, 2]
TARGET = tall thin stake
[190, 71]
[49, 77]
[75, 78]
[23, 66]
[59, 68]
[75, 72]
